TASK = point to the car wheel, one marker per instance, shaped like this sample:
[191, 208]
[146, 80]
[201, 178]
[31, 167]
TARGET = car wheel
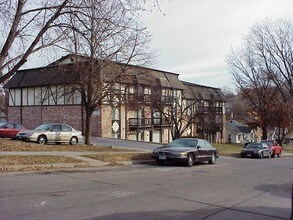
[160, 162]
[42, 139]
[73, 141]
[273, 154]
[213, 159]
[190, 160]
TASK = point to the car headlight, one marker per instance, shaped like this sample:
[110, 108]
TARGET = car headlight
[183, 154]
[256, 152]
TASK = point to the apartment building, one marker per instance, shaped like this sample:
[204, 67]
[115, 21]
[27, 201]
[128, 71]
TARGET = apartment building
[135, 108]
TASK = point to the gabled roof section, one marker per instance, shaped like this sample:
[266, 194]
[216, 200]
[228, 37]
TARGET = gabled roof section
[69, 59]
[143, 74]
[200, 92]
[50, 75]
[237, 128]
[64, 71]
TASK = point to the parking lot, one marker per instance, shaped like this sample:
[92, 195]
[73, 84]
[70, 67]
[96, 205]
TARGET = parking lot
[231, 189]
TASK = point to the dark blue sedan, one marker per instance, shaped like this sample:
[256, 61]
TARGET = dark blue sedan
[258, 150]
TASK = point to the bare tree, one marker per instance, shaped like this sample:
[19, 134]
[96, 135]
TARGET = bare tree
[3, 107]
[27, 28]
[179, 115]
[272, 44]
[31, 26]
[254, 86]
[235, 105]
[105, 37]
[263, 70]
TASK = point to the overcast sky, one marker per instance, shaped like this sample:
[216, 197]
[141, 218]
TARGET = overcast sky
[194, 36]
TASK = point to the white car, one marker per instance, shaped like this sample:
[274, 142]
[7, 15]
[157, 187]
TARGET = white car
[52, 133]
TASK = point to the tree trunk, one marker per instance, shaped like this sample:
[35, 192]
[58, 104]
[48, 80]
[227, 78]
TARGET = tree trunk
[264, 133]
[176, 134]
[88, 129]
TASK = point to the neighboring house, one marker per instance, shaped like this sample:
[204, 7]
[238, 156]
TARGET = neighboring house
[238, 133]
[40, 95]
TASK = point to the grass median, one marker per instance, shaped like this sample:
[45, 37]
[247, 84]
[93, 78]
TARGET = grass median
[14, 145]
[15, 163]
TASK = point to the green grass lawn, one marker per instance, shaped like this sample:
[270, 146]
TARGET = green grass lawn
[229, 149]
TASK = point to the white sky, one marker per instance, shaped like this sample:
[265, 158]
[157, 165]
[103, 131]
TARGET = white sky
[194, 36]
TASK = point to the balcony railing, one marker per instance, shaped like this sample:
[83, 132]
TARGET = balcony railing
[145, 122]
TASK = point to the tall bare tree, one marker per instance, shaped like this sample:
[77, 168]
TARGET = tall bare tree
[27, 27]
[105, 36]
[235, 105]
[31, 26]
[179, 116]
[272, 44]
[262, 69]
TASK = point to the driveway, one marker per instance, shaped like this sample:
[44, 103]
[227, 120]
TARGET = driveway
[233, 188]
[124, 143]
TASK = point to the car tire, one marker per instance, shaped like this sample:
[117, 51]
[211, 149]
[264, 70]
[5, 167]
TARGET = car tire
[73, 141]
[213, 159]
[42, 139]
[190, 160]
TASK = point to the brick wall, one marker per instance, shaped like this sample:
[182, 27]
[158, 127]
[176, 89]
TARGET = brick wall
[33, 116]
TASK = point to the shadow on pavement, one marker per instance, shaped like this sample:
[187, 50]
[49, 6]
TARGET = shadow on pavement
[239, 213]
[283, 190]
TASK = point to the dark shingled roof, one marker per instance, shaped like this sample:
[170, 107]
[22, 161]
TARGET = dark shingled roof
[64, 71]
[236, 127]
[50, 75]
[201, 92]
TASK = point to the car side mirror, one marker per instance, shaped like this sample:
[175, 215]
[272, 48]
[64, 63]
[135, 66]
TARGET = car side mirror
[198, 147]
[53, 129]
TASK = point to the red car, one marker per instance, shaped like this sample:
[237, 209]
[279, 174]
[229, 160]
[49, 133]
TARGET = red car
[10, 130]
[276, 149]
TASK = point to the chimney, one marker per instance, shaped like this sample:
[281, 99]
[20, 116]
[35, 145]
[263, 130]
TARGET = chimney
[232, 116]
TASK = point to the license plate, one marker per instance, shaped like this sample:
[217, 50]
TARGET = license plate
[162, 157]
[249, 155]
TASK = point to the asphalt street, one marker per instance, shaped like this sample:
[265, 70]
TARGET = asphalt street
[231, 189]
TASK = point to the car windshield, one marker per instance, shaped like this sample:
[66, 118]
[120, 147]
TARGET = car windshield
[269, 143]
[183, 143]
[44, 127]
[254, 146]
